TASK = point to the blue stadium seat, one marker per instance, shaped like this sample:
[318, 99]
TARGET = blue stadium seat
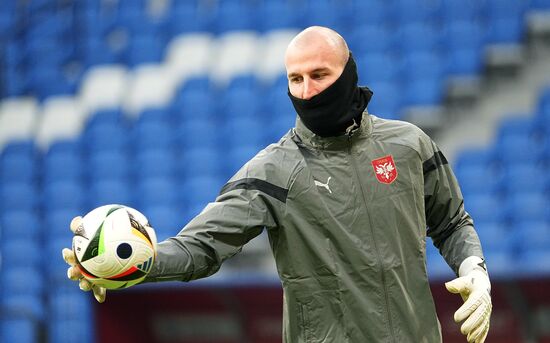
[377, 67]
[528, 206]
[477, 179]
[18, 330]
[481, 156]
[241, 103]
[236, 157]
[157, 191]
[109, 165]
[19, 224]
[505, 9]
[376, 12]
[63, 161]
[533, 242]
[55, 271]
[277, 101]
[202, 188]
[198, 133]
[277, 15]
[56, 222]
[466, 10]
[106, 137]
[199, 191]
[137, 19]
[438, 269]
[532, 235]
[16, 81]
[82, 331]
[412, 11]
[70, 305]
[143, 49]
[234, 16]
[155, 114]
[200, 161]
[533, 263]
[419, 37]
[18, 167]
[505, 21]
[109, 116]
[147, 135]
[499, 246]
[523, 178]
[386, 100]
[111, 191]
[518, 125]
[464, 34]
[165, 219]
[324, 13]
[495, 236]
[544, 105]
[46, 82]
[424, 92]
[18, 196]
[371, 38]
[96, 51]
[465, 62]
[519, 149]
[154, 163]
[21, 280]
[418, 66]
[195, 99]
[240, 132]
[485, 207]
[23, 306]
[64, 195]
[21, 252]
[539, 4]
[188, 17]
[279, 125]
[463, 43]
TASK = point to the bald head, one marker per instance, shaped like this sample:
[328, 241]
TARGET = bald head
[314, 59]
[318, 38]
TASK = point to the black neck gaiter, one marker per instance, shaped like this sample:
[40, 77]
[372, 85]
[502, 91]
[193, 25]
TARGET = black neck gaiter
[332, 111]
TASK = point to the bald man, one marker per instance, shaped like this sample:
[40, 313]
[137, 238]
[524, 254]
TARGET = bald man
[347, 200]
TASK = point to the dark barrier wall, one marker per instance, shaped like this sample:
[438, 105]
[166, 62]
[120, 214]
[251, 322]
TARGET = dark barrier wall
[183, 313]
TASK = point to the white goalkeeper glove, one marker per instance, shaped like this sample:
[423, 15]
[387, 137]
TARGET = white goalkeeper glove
[474, 287]
[73, 272]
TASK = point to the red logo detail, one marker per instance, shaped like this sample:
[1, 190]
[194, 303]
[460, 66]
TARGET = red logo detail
[385, 169]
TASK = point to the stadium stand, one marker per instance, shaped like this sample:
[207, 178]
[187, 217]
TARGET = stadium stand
[155, 104]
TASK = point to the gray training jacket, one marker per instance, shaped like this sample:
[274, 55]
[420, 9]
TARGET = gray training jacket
[347, 219]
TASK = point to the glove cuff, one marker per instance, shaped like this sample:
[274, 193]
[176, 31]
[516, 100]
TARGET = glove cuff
[472, 263]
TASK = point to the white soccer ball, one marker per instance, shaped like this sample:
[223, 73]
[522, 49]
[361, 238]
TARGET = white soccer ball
[114, 246]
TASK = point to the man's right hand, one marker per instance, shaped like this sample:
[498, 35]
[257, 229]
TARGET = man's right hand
[73, 273]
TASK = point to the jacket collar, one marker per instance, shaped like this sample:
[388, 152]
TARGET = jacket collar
[302, 135]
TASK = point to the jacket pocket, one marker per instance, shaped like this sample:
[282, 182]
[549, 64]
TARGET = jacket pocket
[321, 318]
[305, 324]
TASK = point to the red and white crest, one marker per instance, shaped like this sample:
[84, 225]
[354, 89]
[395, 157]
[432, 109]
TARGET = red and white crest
[384, 169]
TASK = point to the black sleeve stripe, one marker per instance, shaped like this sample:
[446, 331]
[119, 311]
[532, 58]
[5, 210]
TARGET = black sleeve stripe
[270, 189]
[437, 160]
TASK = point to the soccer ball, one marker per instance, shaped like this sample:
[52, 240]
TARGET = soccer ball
[114, 246]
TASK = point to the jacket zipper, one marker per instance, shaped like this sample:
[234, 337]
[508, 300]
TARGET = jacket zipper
[382, 274]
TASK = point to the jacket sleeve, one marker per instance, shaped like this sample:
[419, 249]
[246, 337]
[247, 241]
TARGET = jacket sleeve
[246, 205]
[449, 225]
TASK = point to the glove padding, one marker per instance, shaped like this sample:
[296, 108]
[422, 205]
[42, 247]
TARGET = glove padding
[474, 287]
[73, 273]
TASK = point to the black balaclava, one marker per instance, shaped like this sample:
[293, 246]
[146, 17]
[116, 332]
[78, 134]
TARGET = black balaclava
[332, 111]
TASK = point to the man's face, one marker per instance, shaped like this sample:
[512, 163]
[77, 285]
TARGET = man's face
[311, 69]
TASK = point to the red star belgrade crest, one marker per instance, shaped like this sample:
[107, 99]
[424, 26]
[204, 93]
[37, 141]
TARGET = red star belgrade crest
[384, 169]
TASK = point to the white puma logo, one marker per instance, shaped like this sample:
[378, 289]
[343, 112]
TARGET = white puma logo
[324, 185]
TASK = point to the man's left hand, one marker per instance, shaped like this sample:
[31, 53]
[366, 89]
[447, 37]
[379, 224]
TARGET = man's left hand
[474, 287]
